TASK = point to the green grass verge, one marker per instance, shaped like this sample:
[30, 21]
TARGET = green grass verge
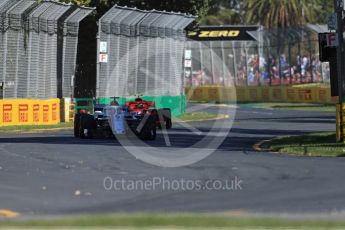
[295, 106]
[198, 221]
[315, 144]
[199, 116]
[29, 128]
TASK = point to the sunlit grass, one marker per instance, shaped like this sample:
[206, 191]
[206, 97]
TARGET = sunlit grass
[181, 221]
[315, 144]
[294, 106]
[199, 116]
[28, 128]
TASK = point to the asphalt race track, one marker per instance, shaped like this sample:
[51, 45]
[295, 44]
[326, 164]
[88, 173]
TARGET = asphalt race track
[54, 173]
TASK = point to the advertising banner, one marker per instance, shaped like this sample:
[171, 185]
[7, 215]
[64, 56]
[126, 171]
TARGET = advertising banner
[260, 94]
[29, 112]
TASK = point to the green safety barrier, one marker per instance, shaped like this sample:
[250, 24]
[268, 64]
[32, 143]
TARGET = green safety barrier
[84, 103]
[177, 104]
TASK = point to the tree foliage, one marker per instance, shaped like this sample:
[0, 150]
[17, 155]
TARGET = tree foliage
[195, 7]
[223, 17]
[270, 13]
[282, 13]
[78, 2]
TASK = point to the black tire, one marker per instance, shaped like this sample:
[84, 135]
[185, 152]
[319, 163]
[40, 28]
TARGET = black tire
[149, 132]
[168, 124]
[166, 114]
[77, 125]
[88, 122]
[81, 126]
[152, 133]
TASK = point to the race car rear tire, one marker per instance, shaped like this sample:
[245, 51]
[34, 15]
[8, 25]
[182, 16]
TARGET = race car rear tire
[88, 123]
[164, 113]
[148, 133]
[152, 133]
[168, 124]
[81, 126]
[77, 125]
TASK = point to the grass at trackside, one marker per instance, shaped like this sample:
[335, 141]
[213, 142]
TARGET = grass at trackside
[315, 144]
[198, 221]
[29, 128]
[311, 85]
[198, 116]
[296, 106]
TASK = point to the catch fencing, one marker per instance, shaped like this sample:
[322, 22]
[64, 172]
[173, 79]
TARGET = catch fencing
[277, 57]
[141, 52]
[38, 48]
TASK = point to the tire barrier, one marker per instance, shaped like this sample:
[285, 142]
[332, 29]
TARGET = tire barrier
[29, 112]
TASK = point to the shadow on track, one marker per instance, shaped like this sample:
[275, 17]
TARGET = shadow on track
[237, 140]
